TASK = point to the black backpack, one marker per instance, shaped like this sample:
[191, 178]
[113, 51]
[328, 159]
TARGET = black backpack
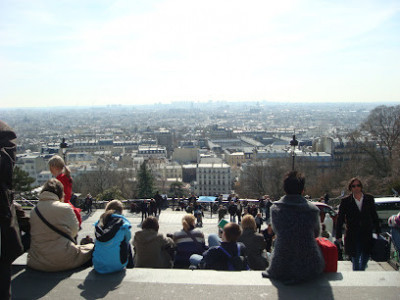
[237, 262]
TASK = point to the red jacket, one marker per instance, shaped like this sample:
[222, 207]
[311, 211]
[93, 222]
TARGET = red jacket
[67, 183]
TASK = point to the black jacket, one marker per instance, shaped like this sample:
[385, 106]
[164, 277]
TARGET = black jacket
[214, 258]
[359, 224]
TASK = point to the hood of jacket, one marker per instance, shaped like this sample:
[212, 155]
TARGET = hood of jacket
[109, 230]
[146, 236]
[48, 196]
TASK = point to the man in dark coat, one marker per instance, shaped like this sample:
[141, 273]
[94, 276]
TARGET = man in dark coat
[8, 247]
[159, 202]
[296, 256]
[359, 213]
[232, 209]
[144, 208]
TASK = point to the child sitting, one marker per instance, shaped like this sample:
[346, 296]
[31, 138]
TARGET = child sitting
[112, 248]
[230, 255]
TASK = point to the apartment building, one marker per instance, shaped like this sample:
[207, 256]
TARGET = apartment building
[213, 178]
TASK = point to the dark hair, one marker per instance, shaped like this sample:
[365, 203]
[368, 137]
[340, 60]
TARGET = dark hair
[293, 183]
[150, 223]
[232, 232]
[351, 181]
[54, 186]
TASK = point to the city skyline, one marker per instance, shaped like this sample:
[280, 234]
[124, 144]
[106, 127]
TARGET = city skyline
[96, 53]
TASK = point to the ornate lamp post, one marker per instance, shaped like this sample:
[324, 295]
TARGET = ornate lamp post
[64, 146]
[293, 144]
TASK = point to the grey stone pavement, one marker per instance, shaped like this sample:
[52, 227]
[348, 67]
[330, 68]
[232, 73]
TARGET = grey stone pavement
[170, 221]
[380, 281]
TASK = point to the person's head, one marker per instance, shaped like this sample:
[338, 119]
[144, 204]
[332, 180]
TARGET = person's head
[57, 166]
[54, 186]
[116, 206]
[188, 222]
[232, 232]
[150, 223]
[112, 207]
[9, 148]
[355, 185]
[248, 222]
[293, 183]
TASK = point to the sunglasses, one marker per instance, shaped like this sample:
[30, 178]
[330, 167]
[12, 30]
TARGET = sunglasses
[355, 185]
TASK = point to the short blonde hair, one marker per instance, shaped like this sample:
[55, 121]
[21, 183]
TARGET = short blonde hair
[57, 162]
[188, 221]
[248, 222]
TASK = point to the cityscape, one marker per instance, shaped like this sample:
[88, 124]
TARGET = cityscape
[200, 148]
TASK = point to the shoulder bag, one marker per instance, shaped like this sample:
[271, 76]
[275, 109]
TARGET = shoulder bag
[53, 227]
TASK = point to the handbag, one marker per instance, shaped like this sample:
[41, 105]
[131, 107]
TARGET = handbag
[330, 254]
[53, 227]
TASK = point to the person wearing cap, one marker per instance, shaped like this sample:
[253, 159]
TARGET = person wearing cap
[296, 256]
[8, 149]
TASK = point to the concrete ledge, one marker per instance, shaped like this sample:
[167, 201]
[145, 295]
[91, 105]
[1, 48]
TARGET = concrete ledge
[198, 284]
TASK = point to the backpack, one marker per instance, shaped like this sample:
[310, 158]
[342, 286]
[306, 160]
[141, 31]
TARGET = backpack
[237, 262]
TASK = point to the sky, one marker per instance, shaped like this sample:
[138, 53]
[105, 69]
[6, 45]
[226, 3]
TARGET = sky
[98, 52]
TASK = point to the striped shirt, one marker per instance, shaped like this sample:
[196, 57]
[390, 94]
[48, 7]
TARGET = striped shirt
[394, 221]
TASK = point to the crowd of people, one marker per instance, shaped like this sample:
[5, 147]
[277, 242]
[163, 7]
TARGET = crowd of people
[285, 250]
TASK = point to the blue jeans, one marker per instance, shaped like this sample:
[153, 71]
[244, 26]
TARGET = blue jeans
[213, 240]
[396, 237]
[361, 258]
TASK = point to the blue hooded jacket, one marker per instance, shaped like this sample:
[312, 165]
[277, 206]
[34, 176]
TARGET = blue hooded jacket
[111, 248]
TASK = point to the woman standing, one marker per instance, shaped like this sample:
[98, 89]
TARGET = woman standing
[62, 173]
[359, 213]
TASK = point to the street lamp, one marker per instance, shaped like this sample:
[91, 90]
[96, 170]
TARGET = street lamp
[64, 147]
[293, 143]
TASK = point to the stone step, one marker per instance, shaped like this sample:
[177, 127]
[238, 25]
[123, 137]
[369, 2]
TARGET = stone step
[199, 284]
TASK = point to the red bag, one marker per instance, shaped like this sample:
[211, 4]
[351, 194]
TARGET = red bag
[330, 253]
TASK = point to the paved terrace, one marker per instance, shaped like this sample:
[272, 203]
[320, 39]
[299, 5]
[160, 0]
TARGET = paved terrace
[380, 281]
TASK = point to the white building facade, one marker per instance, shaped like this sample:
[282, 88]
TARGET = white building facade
[213, 179]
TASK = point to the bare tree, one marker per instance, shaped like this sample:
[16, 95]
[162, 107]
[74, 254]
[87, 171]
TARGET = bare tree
[379, 137]
[262, 177]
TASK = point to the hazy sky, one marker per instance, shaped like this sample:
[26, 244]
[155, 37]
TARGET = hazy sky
[57, 53]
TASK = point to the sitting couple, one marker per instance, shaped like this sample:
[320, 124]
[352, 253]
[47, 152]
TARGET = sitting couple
[54, 229]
